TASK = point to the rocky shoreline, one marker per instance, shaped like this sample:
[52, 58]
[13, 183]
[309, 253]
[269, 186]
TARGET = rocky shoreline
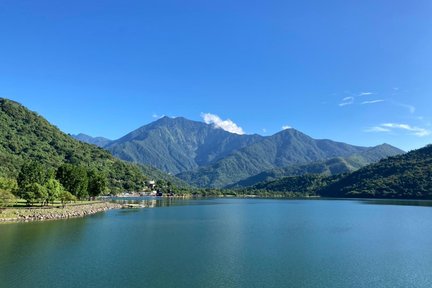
[43, 214]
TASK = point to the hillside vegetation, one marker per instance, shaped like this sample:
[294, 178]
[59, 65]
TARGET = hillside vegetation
[25, 137]
[403, 176]
[407, 176]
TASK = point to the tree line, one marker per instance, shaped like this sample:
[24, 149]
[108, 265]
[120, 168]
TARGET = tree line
[37, 183]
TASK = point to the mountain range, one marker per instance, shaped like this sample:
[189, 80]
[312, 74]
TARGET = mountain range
[290, 163]
[405, 176]
[207, 156]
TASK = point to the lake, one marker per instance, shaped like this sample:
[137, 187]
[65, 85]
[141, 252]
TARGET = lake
[226, 243]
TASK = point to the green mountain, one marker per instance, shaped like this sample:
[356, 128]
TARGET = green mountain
[178, 145]
[285, 149]
[98, 141]
[206, 156]
[403, 176]
[292, 186]
[329, 167]
[25, 136]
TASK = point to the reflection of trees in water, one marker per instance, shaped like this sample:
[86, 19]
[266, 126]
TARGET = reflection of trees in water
[153, 202]
[424, 203]
[21, 240]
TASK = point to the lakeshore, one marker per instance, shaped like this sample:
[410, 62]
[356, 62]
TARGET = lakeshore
[29, 214]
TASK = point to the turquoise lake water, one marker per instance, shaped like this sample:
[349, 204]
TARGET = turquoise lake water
[226, 243]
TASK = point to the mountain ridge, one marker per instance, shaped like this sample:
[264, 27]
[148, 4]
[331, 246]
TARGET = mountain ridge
[98, 141]
[207, 156]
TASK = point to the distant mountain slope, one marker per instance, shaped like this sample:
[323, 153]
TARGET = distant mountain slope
[329, 167]
[156, 174]
[175, 145]
[404, 176]
[25, 136]
[292, 186]
[286, 148]
[98, 141]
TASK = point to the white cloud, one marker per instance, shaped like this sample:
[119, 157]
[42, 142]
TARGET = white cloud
[285, 127]
[226, 125]
[264, 130]
[391, 127]
[372, 101]
[156, 116]
[377, 129]
[347, 101]
[366, 93]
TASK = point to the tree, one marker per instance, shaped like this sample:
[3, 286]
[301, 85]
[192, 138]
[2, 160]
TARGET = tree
[7, 188]
[97, 183]
[34, 192]
[74, 179]
[30, 173]
[54, 190]
[66, 196]
[6, 198]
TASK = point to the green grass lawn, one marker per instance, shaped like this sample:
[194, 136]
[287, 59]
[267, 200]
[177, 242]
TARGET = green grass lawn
[23, 203]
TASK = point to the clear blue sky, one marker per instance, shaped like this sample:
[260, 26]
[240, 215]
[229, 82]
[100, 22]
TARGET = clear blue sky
[353, 71]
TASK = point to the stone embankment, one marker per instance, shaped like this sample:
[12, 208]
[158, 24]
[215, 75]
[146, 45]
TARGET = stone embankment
[41, 214]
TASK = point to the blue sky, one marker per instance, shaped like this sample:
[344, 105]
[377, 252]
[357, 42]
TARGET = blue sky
[352, 71]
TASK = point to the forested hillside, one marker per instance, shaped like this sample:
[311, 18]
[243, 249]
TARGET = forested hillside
[25, 137]
[403, 176]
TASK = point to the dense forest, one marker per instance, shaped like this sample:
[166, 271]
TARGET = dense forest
[407, 176]
[26, 137]
[403, 176]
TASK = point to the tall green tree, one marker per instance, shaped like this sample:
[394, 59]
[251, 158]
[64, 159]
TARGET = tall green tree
[35, 192]
[32, 172]
[54, 189]
[30, 182]
[74, 179]
[97, 183]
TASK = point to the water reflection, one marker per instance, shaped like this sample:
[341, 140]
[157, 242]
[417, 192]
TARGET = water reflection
[151, 202]
[424, 203]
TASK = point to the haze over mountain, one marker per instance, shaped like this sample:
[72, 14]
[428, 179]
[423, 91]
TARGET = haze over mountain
[98, 141]
[207, 156]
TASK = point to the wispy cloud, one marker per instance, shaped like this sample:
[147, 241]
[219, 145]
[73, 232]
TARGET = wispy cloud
[411, 108]
[377, 129]
[264, 130]
[366, 93]
[347, 101]
[392, 127]
[156, 116]
[372, 101]
[227, 125]
[285, 127]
